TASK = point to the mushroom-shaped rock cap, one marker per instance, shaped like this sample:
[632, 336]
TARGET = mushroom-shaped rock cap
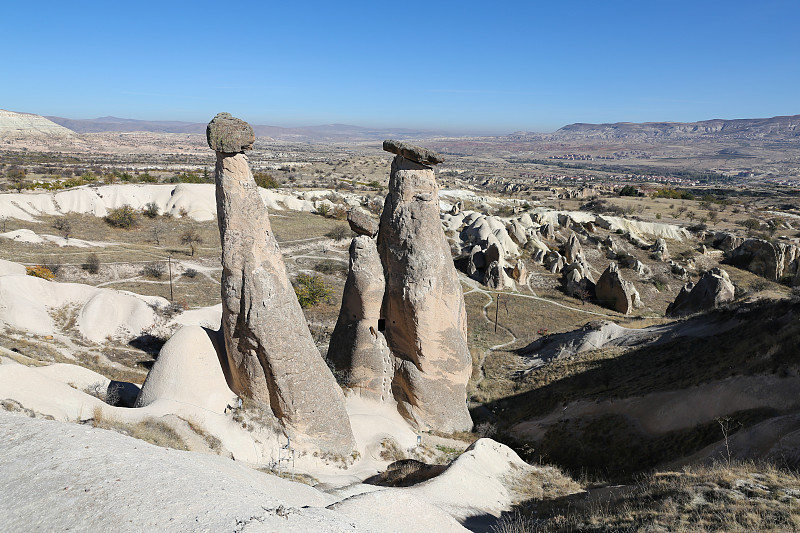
[422, 156]
[228, 134]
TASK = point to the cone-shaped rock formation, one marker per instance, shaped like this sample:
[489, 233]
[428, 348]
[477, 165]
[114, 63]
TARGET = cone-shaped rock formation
[423, 303]
[270, 352]
[357, 344]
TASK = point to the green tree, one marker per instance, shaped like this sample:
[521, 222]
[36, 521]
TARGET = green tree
[311, 290]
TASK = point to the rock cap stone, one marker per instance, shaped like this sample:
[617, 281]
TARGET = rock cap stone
[228, 134]
[417, 154]
[361, 222]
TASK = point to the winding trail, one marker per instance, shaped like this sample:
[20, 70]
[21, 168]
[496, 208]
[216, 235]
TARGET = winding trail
[476, 287]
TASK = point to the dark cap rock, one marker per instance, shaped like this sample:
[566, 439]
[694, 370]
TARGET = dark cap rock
[361, 222]
[422, 156]
[228, 134]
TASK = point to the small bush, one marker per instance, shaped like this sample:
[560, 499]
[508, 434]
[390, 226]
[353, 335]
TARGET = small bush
[265, 180]
[323, 209]
[40, 271]
[153, 270]
[151, 210]
[330, 267]
[122, 217]
[192, 238]
[339, 212]
[311, 290]
[190, 273]
[92, 264]
[52, 263]
[338, 233]
[64, 226]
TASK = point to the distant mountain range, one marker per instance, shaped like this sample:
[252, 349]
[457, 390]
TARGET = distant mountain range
[327, 132]
[753, 128]
[783, 128]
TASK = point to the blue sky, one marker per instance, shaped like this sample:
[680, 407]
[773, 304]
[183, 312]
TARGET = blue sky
[460, 66]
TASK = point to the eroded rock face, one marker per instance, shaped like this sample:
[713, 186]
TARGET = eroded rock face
[423, 304]
[714, 289]
[270, 352]
[357, 344]
[774, 261]
[615, 293]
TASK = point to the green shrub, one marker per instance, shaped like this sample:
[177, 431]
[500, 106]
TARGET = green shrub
[323, 209]
[311, 290]
[124, 216]
[266, 180]
[151, 210]
[153, 270]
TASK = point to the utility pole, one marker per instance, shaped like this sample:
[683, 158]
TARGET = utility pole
[169, 262]
[496, 308]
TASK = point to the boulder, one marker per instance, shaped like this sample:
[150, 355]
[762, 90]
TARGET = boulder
[423, 305]
[615, 293]
[496, 278]
[423, 156]
[554, 262]
[361, 222]
[228, 134]
[517, 232]
[659, 250]
[188, 371]
[535, 244]
[520, 272]
[714, 289]
[678, 270]
[774, 261]
[573, 248]
[547, 231]
[271, 355]
[726, 241]
[579, 269]
[612, 247]
[538, 257]
[357, 344]
[526, 221]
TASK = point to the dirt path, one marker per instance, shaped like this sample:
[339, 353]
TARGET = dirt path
[476, 287]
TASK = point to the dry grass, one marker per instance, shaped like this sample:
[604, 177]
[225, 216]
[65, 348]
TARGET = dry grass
[671, 365]
[720, 497]
[150, 430]
[391, 450]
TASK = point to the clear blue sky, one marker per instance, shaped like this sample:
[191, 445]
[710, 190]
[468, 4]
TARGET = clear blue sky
[464, 66]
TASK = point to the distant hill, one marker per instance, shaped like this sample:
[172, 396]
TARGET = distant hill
[752, 128]
[103, 124]
[28, 126]
[327, 132]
